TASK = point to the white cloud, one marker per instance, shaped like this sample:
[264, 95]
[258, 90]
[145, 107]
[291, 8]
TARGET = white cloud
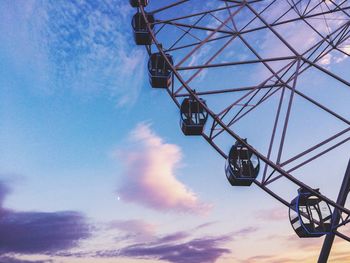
[149, 177]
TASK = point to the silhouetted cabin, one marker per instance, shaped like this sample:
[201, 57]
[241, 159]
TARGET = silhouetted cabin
[193, 116]
[160, 73]
[309, 215]
[135, 3]
[242, 165]
[141, 34]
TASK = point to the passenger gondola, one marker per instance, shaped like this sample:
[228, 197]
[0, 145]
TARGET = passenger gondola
[242, 165]
[142, 36]
[309, 215]
[193, 116]
[135, 3]
[160, 73]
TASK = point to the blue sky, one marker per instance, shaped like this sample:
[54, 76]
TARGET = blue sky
[93, 164]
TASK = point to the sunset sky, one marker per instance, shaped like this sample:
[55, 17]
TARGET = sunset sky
[94, 166]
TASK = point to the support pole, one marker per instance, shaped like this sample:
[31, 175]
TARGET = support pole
[328, 241]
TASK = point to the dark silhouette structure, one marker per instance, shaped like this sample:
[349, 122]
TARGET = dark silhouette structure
[242, 166]
[142, 35]
[193, 116]
[201, 40]
[160, 73]
[309, 215]
[135, 3]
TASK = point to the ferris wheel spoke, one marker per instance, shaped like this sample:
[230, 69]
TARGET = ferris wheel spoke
[274, 31]
[229, 34]
[209, 36]
[316, 146]
[195, 14]
[340, 8]
[342, 236]
[228, 126]
[169, 6]
[272, 139]
[321, 106]
[325, 20]
[159, 29]
[314, 7]
[203, 28]
[238, 117]
[267, 95]
[217, 53]
[231, 90]
[294, 6]
[327, 72]
[225, 111]
[297, 182]
[319, 154]
[285, 126]
[262, 84]
[310, 99]
[186, 32]
[307, 161]
[220, 21]
[236, 63]
[320, 56]
[264, 97]
[331, 42]
[343, 38]
[197, 43]
[306, 7]
[246, 104]
[295, 19]
[343, 221]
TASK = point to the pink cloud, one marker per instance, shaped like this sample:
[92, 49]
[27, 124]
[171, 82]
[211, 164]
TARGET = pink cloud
[149, 175]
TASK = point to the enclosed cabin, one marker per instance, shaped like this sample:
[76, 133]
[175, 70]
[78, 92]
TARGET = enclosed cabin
[193, 116]
[135, 3]
[309, 215]
[142, 36]
[242, 165]
[160, 73]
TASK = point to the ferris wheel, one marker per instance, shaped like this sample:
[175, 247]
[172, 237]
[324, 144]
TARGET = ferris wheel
[266, 83]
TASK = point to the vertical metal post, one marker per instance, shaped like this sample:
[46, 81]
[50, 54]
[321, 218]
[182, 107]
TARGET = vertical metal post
[328, 241]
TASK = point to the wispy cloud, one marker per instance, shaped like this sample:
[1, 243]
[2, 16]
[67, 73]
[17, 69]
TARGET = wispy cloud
[136, 229]
[180, 247]
[91, 45]
[7, 259]
[273, 259]
[149, 177]
[177, 247]
[204, 250]
[81, 46]
[245, 231]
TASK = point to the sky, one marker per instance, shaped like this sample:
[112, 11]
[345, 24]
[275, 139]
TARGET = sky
[94, 166]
